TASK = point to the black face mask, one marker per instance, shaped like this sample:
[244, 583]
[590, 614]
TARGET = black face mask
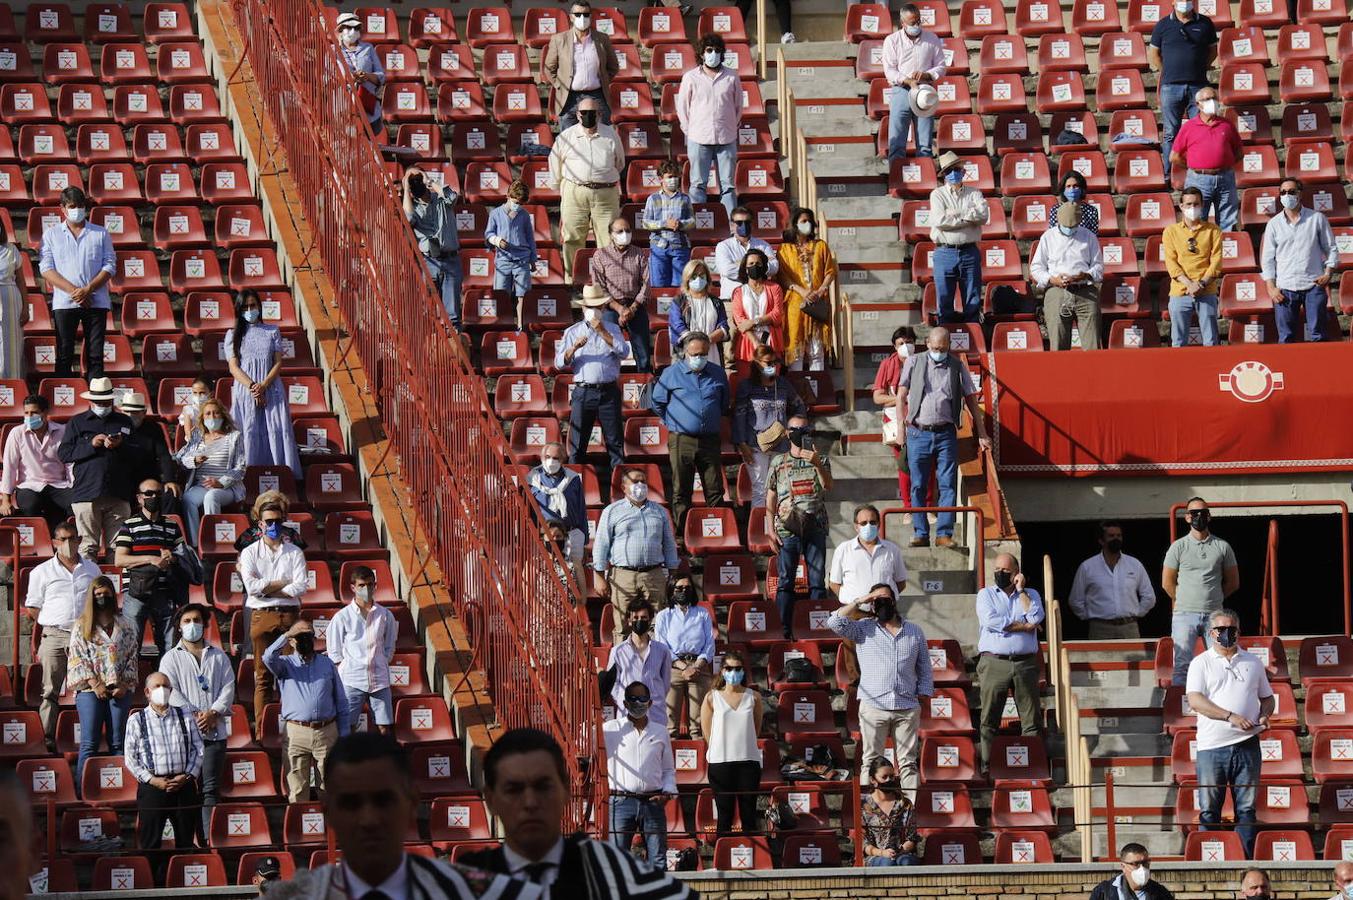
[682, 596]
[103, 604]
[1227, 636]
[561, 543]
[1200, 519]
[1114, 546]
[305, 644]
[797, 436]
[757, 271]
[1004, 579]
[891, 786]
[418, 186]
[151, 504]
[885, 609]
[588, 118]
[641, 626]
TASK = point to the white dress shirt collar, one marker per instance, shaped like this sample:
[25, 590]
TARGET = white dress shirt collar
[396, 887]
[516, 863]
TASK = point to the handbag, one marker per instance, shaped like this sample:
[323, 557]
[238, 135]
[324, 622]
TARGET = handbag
[890, 426]
[819, 310]
[188, 563]
[143, 580]
[781, 816]
[799, 670]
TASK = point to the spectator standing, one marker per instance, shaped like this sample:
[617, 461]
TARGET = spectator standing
[807, 273]
[1298, 257]
[709, 107]
[164, 753]
[145, 550]
[638, 657]
[782, 16]
[866, 560]
[620, 271]
[1111, 590]
[730, 719]
[1209, 145]
[889, 819]
[758, 311]
[1075, 189]
[1200, 572]
[586, 161]
[796, 517]
[579, 64]
[1228, 688]
[957, 216]
[274, 575]
[559, 494]
[764, 403]
[57, 592]
[313, 707]
[695, 309]
[593, 349]
[729, 252]
[912, 57]
[1008, 616]
[1069, 265]
[13, 312]
[932, 391]
[215, 464]
[642, 773]
[259, 405]
[1183, 47]
[364, 64]
[432, 215]
[512, 233]
[688, 631]
[668, 215]
[1193, 258]
[104, 648]
[361, 642]
[633, 551]
[95, 446]
[33, 479]
[691, 397]
[1133, 878]
[150, 449]
[77, 262]
[886, 380]
[202, 684]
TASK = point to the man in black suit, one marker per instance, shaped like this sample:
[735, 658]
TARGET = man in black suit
[526, 787]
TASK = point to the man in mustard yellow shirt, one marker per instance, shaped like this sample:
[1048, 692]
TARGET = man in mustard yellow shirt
[1193, 259]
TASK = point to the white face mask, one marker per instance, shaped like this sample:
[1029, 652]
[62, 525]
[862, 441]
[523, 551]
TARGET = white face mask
[1209, 107]
[192, 632]
[160, 696]
[621, 238]
[1193, 213]
[590, 313]
[671, 183]
[102, 411]
[582, 22]
[349, 37]
[805, 228]
[75, 215]
[513, 205]
[713, 59]
[1140, 876]
[551, 465]
[904, 350]
[912, 30]
[638, 491]
[363, 593]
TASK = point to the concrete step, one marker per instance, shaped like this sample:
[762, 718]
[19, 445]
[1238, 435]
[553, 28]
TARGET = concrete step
[1126, 770]
[1119, 745]
[810, 50]
[1128, 796]
[1144, 723]
[1134, 697]
[1112, 678]
[1159, 843]
[843, 235]
[876, 207]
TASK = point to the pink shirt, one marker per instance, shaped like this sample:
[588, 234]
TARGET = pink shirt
[1207, 145]
[30, 461]
[902, 55]
[709, 107]
[586, 66]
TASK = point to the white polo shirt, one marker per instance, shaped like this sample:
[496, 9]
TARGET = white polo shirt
[59, 593]
[1236, 685]
[857, 570]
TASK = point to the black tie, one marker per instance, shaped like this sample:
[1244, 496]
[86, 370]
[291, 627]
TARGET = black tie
[535, 872]
[375, 895]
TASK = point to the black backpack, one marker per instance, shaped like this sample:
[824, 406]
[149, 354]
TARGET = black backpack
[799, 671]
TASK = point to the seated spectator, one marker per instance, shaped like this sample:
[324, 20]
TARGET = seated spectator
[886, 381]
[512, 233]
[730, 719]
[1134, 873]
[559, 493]
[13, 312]
[361, 642]
[758, 310]
[889, 819]
[796, 520]
[33, 479]
[259, 405]
[290, 533]
[1074, 189]
[314, 707]
[668, 215]
[696, 309]
[709, 108]
[215, 464]
[77, 262]
[164, 753]
[95, 445]
[592, 350]
[104, 649]
[150, 449]
[274, 575]
[691, 397]
[1192, 250]
[145, 549]
[688, 631]
[189, 422]
[764, 404]
[365, 66]
[1069, 266]
[1209, 145]
[728, 253]
[620, 271]
[1299, 256]
[433, 219]
[807, 273]
[642, 775]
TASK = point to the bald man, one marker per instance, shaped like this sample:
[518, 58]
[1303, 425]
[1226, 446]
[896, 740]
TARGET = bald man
[1343, 880]
[164, 753]
[1254, 883]
[1008, 616]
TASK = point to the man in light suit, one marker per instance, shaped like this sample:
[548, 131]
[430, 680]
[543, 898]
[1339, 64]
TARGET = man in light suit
[579, 63]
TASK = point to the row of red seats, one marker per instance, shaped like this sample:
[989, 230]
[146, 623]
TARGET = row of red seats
[151, 142]
[103, 22]
[120, 184]
[132, 104]
[123, 62]
[1331, 752]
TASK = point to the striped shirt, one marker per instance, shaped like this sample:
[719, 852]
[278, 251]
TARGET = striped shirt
[141, 536]
[200, 685]
[634, 536]
[622, 274]
[224, 460]
[662, 206]
[894, 668]
[361, 645]
[162, 744]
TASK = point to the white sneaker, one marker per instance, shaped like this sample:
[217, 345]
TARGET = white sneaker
[788, 38]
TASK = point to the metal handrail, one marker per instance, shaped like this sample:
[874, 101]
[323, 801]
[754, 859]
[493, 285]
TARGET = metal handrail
[1268, 606]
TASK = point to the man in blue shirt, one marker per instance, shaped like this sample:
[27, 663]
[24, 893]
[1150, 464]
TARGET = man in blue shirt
[593, 349]
[512, 234]
[559, 493]
[687, 629]
[77, 261]
[432, 216]
[633, 551]
[314, 706]
[1183, 47]
[1008, 616]
[691, 398]
[1298, 258]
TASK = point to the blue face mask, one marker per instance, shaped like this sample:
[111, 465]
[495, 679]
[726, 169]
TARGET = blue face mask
[696, 362]
[744, 228]
[33, 422]
[273, 531]
[733, 676]
[954, 176]
[698, 283]
[1067, 230]
[252, 316]
[769, 371]
[869, 533]
[1074, 193]
[938, 355]
[1291, 201]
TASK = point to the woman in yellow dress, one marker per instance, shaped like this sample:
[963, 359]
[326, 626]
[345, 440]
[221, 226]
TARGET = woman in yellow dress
[807, 271]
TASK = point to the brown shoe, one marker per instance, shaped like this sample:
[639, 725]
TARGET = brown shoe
[920, 542]
[944, 541]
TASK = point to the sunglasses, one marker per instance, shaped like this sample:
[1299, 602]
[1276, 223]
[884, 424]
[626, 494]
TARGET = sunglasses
[103, 597]
[1289, 193]
[1193, 245]
[150, 493]
[267, 522]
[868, 522]
[644, 699]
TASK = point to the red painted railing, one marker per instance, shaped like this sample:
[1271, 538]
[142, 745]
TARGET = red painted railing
[480, 525]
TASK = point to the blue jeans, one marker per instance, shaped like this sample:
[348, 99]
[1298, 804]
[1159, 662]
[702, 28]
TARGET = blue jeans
[382, 708]
[513, 277]
[1236, 765]
[1219, 197]
[812, 547]
[901, 859]
[630, 816]
[199, 501]
[640, 335]
[1313, 302]
[1185, 628]
[446, 275]
[963, 268]
[938, 451]
[665, 265]
[726, 157]
[1176, 105]
[96, 717]
[900, 121]
[159, 611]
[1182, 311]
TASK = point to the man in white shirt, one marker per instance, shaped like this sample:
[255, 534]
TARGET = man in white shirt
[275, 579]
[640, 658]
[1069, 266]
[57, 590]
[728, 253]
[642, 775]
[912, 57]
[1229, 690]
[586, 161]
[361, 642]
[957, 214]
[1111, 590]
[866, 560]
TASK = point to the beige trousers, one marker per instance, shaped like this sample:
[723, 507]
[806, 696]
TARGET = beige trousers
[98, 522]
[876, 726]
[691, 684]
[306, 751]
[52, 653]
[628, 586]
[581, 209]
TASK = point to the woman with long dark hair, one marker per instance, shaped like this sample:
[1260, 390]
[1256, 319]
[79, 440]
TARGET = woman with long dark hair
[258, 406]
[104, 648]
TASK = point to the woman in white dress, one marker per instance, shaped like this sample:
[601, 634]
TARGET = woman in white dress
[13, 312]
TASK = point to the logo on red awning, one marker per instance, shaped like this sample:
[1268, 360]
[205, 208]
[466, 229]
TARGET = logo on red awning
[1251, 381]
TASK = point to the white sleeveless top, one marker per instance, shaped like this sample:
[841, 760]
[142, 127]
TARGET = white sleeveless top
[732, 732]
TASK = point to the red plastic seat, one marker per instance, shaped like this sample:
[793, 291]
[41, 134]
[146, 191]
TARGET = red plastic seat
[1332, 752]
[1241, 84]
[1283, 846]
[79, 104]
[190, 870]
[1148, 213]
[45, 22]
[1242, 45]
[50, 180]
[1024, 174]
[805, 714]
[146, 313]
[1016, 336]
[1059, 90]
[125, 63]
[947, 759]
[951, 848]
[333, 486]
[459, 819]
[239, 825]
[725, 21]
[645, 438]
[979, 18]
[1326, 657]
[867, 21]
[451, 63]
[711, 530]
[944, 806]
[181, 63]
[122, 873]
[194, 270]
[240, 225]
[1062, 51]
[108, 22]
[194, 104]
[380, 25]
[1023, 847]
[167, 22]
[1138, 170]
[62, 63]
[485, 25]
[47, 779]
[105, 780]
[24, 103]
[1214, 846]
[255, 268]
[1021, 807]
[1019, 759]
[406, 101]
[999, 93]
[1329, 704]
[670, 62]
[1311, 162]
[137, 103]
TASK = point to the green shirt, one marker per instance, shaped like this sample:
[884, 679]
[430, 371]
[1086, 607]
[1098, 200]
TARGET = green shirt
[1201, 566]
[797, 484]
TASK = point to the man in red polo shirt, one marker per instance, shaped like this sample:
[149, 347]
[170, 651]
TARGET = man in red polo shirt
[1209, 146]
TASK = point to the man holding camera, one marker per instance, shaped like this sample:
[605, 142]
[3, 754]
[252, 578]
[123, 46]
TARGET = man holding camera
[796, 517]
[314, 706]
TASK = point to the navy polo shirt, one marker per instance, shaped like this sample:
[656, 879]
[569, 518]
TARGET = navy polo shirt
[1184, 48]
